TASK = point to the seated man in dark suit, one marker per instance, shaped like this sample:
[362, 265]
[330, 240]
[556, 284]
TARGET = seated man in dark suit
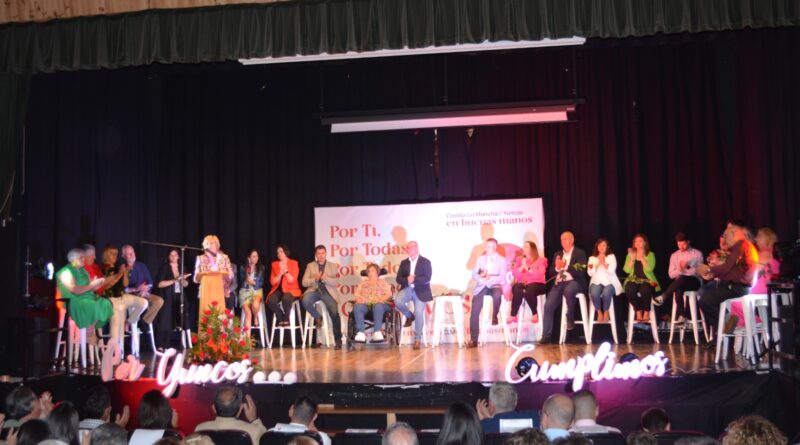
[502, 406]
[414, 283]
[569, 268]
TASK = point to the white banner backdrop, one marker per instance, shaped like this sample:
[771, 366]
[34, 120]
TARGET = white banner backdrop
[449, 234]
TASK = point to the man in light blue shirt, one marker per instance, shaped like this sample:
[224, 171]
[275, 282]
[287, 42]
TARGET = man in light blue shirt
[557, 413]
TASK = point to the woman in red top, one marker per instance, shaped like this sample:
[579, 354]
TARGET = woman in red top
[285, 287]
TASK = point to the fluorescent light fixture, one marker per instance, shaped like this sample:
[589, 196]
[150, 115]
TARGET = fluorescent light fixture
[454, 116]
[406, 51]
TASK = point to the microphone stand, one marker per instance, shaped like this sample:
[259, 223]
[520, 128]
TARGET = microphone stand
[186, 336]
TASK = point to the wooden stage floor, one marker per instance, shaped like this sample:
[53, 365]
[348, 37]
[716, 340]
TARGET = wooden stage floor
[382, 364]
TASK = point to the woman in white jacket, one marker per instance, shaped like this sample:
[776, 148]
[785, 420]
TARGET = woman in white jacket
[604, 285]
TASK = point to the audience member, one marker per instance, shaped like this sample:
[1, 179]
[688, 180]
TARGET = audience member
[586, 413]
[557, 414]
[655, 420]
[166, 441]
[302, 440]
[501, 405]
[109, 434]
[400, 433]
[63, 424]
[573, 439]
[229, 403]
[753, 430]
[641, 438]
[198, 439]
[697, 440]
[461, 426]
[23, 405]
[97, 411]
[528, 436]
[155, 417]
[302, 415]
[32, 432]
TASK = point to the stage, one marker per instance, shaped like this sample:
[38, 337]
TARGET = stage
[370, 385]
[383, 364]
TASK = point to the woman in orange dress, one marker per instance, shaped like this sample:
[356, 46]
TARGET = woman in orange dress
[214, 273]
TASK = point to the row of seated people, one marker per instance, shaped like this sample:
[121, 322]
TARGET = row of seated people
[729, 273]
[563, 419]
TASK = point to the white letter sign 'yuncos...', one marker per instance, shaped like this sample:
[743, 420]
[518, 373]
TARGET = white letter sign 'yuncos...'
[600, 366]
[238, 372]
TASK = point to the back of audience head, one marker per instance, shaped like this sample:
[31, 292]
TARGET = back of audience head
[461, 426]
[32, 432]
[503, 396]
[63, 423]
[753, 430]
[585, 405]
[228, 401]
[198, 439]
[109, 434]
[98, 404]
[696, 440]
[654, 420]
[573, 439]
[22, 402]
[557, 412]
[528, 436]
[400, 433]
[641, 438]
[302, 440]
[155, 411]
[168, 441]
[303, 410]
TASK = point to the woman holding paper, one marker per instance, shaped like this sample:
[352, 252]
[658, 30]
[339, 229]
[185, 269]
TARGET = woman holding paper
[213, 272]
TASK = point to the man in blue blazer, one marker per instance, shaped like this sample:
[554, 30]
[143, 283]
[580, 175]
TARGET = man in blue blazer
[414, 282]
[569, 268]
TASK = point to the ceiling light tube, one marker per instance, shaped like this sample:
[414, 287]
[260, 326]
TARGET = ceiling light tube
[406, 51]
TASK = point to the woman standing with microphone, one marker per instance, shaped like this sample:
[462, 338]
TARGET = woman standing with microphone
[214, 274]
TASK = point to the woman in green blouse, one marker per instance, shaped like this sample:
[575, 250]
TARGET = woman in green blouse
[641, 283]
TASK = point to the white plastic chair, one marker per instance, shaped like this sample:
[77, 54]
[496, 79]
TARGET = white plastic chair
[262, 330]
[748, 337]
[440, 317]
[537, 326]
[325, 333]
[486, 319]
[612, 321]
[424, 325]
[295, 323]
[689, 297]
[653, 323]
[581, 298]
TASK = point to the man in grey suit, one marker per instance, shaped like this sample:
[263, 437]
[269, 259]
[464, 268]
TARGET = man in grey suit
[489, 275]
[320, 280]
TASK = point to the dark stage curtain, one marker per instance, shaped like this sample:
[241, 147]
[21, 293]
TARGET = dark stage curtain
[336, 26]
[677, 133]
[13, 103]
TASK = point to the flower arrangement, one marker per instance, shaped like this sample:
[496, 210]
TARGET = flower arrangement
[219, 338]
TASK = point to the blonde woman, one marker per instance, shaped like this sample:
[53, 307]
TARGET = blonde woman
[209, 266]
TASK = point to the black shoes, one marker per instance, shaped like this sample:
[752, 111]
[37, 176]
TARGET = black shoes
[409, 321]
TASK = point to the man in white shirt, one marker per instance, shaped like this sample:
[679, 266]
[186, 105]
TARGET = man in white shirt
[682, 265]
[302, 415]
[586, 413]
[228, 405]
